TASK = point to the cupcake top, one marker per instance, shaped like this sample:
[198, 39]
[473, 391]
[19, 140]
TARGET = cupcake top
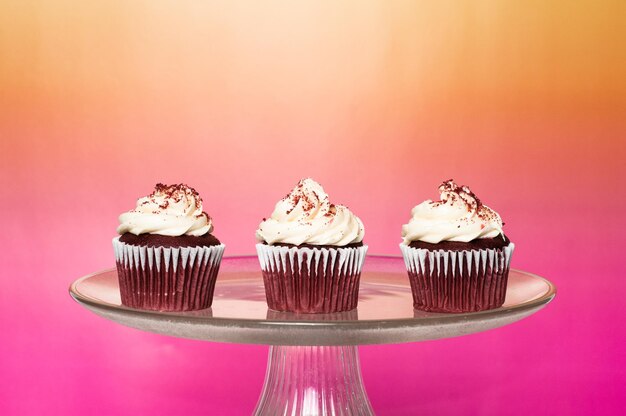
[306, 216]
[457, 216]
[171, 210]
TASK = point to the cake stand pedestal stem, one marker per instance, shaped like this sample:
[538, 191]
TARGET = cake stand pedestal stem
[313, 381]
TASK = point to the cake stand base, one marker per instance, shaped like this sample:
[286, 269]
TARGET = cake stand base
[313, 381]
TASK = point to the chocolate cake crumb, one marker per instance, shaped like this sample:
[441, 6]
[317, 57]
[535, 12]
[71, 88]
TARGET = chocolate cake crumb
[476, 244]
[157, 240]
[464, 193]
[176, 192]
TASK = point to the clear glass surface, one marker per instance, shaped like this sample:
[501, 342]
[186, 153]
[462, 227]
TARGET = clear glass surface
[385, 312]
[313, 381]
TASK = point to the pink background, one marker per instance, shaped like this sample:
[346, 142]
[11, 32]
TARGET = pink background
[379, 101]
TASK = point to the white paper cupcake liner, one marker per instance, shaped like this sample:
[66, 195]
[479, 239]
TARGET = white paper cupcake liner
[167, 278]
[311, 280]
[457, 281]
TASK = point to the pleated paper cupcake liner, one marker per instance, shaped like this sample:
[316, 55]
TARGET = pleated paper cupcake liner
[167, 278]
[457, 281]
[311, 280]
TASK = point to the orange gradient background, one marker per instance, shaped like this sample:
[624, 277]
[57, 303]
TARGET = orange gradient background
[525, 101]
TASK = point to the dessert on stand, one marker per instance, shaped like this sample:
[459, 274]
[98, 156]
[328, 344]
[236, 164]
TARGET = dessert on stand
[313, 366]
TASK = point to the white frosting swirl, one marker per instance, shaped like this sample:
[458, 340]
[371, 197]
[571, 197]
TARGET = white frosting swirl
[458, 216]
[171, 210]
[306, 216]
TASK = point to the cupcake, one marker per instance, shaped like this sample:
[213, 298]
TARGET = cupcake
[166, 257]
[456, 253]
[311, 253]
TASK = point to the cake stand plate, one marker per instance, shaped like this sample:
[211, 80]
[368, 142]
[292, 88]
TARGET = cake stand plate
[313, 364]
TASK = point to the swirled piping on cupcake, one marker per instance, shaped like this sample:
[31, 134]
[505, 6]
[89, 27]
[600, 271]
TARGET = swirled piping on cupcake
[457, 216]
[171, 210]
[306, 216]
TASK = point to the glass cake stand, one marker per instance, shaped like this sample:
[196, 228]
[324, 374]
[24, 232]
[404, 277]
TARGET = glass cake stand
[313, 366]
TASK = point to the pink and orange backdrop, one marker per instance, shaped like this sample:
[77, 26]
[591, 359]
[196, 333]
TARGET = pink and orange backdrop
[379, 101]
